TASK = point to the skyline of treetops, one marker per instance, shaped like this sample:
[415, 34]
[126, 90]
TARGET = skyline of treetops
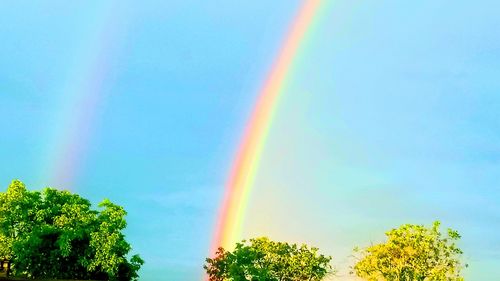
[52, 234]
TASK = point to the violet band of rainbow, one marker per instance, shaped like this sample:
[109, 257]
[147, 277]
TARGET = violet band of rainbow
[244, 169]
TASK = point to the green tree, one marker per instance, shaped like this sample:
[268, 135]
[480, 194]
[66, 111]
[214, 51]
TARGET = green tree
[412, 253]
[261, 259]
[56, 234]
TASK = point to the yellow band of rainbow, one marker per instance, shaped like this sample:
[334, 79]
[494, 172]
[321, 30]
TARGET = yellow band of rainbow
[243, 172]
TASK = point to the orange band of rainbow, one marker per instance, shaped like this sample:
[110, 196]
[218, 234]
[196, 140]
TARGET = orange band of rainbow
[243, 172]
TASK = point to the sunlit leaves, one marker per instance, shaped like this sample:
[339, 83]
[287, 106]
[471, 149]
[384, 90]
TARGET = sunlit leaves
[265, 260]
[412, 253]
[56, 234]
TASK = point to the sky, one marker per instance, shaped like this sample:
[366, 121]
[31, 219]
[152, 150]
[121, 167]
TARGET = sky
[390, 116]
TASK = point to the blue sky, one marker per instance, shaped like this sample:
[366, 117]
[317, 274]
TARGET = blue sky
[391, 116]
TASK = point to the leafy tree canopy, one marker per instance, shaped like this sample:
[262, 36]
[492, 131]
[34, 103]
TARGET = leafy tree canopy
[264, 260]
[56, 234]
[412, 253]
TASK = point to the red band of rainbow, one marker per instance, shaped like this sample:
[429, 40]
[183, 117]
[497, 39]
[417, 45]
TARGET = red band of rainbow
[243, 172]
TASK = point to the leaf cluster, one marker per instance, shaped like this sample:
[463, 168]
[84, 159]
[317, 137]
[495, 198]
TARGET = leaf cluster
[56, 234]
[412, 253]
[261, 259]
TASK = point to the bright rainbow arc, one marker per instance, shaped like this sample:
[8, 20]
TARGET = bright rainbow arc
[244, 169]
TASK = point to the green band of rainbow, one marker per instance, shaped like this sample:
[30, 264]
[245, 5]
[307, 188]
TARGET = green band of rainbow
[244, 169]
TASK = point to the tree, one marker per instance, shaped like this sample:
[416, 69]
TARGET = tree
[261, 259]
[56, 234]
[412, 253]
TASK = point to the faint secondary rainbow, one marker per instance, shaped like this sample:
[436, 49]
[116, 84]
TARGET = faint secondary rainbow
[82, 95]
[244, 169]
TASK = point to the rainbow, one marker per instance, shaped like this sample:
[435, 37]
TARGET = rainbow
[244, 169]
[82, 97]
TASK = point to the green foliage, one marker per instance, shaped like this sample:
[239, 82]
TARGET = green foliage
[264, 260]
[412, 253]
[56, 234]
